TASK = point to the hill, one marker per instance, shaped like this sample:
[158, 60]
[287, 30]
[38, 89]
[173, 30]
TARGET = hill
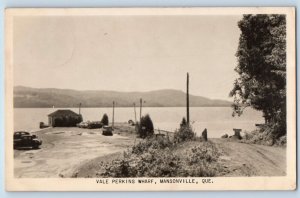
[26, 97]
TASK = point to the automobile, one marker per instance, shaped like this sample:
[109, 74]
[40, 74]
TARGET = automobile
[95, 125]
[19, 134]
[83, 124]
[107, 131]
[24, 139]
[90, 125]
[131, 123]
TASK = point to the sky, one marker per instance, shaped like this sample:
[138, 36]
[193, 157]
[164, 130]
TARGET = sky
[127, 53]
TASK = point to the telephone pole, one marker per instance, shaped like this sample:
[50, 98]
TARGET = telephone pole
[187, 100]
[141, 106]
[79, 108]
[134, 113]
[113, 116]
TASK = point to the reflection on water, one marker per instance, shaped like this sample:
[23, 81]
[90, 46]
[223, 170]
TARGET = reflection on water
[217, 120]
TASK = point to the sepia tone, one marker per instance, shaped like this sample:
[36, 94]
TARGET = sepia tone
[162, 99]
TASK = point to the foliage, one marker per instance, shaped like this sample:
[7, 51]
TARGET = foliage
[151, 143]
[264, 136]
[80, 119]
[145, 127]
[183, 122]
[262, 69]
[202, 160]
[160, 158]
[184, 133]
[104, 119]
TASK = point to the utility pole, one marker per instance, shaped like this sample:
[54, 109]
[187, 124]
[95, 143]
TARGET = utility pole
[113, 116]
[187, 100]
[134, 113]
[141, 106]
[79, 108]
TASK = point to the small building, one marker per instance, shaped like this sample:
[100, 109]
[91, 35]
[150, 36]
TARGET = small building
[64, 118]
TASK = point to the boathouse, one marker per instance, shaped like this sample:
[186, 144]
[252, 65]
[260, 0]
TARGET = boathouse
[64, 118]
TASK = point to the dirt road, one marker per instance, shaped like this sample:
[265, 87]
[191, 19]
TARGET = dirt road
[64, 149]
[240, 159]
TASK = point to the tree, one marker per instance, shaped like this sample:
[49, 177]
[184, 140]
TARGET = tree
[145, 128]
[184, 133]
[183, 122]
[262, 69]
[104, 119]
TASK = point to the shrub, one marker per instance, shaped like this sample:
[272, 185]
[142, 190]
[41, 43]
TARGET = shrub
[151, 143]
[80, 119]
[264, 136]
[183, 122]
[165, 161]
[184, 133]
[207, 152]
[145, 127]
[281, 141]
[104, 119]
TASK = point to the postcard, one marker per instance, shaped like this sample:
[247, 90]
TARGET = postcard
[150, 99]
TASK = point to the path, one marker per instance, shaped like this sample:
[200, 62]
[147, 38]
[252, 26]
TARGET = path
[64, 149]
[242, 159]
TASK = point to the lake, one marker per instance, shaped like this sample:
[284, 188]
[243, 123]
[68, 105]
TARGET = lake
[217, 120]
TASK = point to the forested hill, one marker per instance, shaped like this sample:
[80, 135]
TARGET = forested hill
[26, 97]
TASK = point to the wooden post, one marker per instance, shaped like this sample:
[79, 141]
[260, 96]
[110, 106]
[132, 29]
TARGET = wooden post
[204, 135]
[113, 116]
[187, 100]
[134, 113]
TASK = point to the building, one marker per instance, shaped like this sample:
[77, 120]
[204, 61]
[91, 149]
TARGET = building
[64, 118]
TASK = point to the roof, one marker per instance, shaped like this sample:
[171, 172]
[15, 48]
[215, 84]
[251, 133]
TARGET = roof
[63, 112]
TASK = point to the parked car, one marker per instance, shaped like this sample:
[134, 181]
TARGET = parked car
[19, 134]
[90, 125]
[24, 139]
[131, 123]
[95, 125]
[83, 124]
[107, 131]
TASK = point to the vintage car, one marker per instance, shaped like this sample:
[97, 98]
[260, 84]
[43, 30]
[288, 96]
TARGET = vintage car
[83, 124]
[23, 139]
[107, 131]
[90, 125]
[95, 125]
[19, 134]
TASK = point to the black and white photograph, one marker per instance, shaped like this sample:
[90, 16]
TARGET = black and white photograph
[150, 99]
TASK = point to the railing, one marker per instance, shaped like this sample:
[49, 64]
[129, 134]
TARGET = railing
[164, 132]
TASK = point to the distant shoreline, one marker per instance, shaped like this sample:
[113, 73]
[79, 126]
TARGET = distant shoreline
[43, 98]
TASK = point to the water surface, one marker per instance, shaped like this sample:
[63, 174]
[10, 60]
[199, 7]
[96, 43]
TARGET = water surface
[217, 120]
